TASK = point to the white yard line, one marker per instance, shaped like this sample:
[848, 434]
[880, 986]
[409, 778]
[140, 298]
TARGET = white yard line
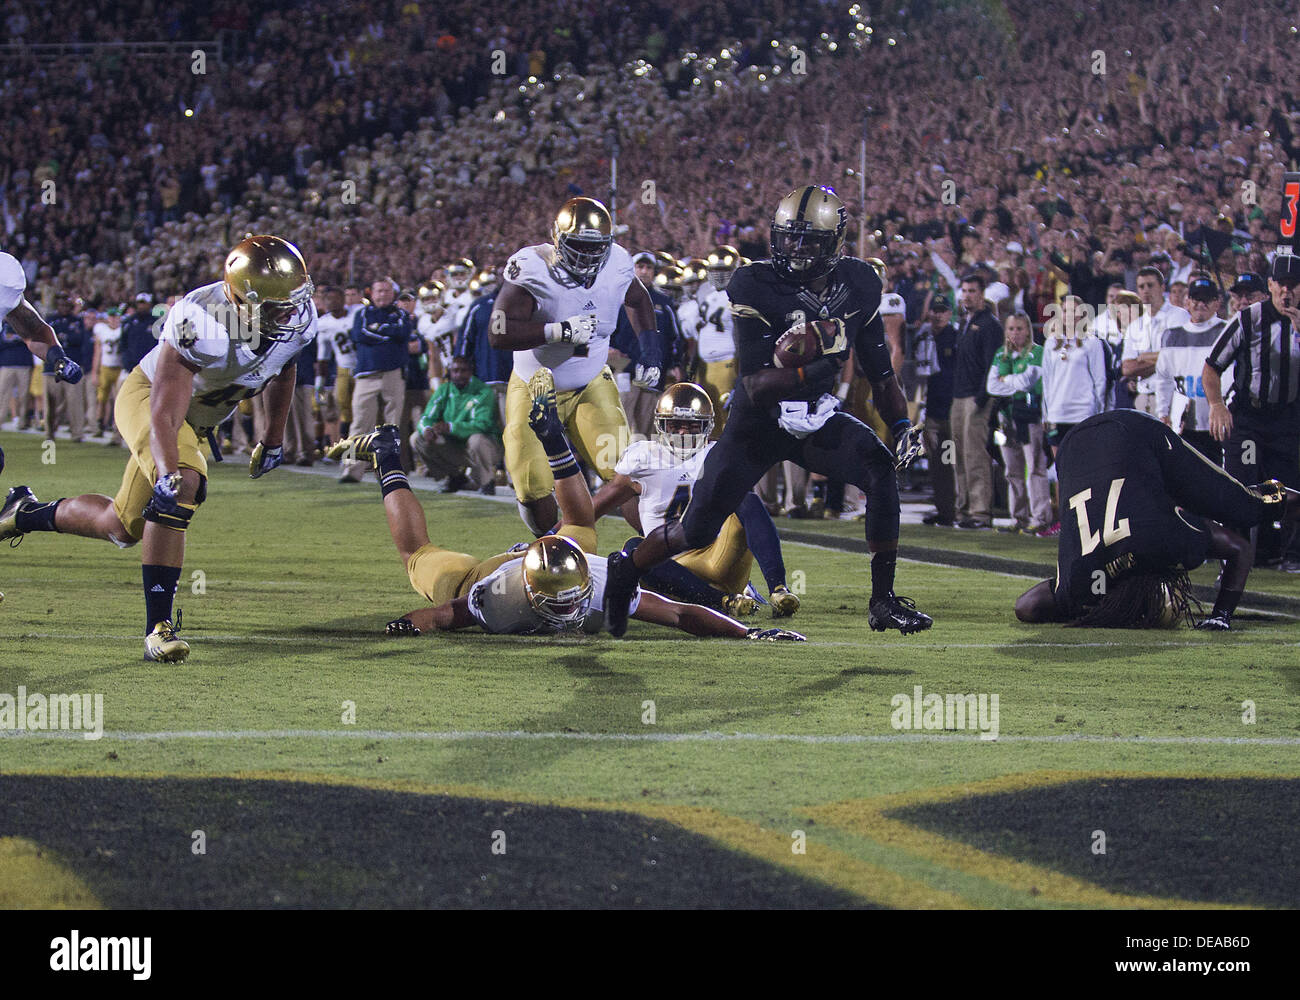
[466, 736]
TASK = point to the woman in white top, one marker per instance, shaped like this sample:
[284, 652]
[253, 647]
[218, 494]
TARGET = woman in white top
[1074, 370]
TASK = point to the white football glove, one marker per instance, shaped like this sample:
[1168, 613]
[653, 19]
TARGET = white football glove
[576, 330]
[646, 376]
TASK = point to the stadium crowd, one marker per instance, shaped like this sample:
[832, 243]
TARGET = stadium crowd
[1062, 170]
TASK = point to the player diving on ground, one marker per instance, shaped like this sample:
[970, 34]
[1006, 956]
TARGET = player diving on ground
[552, 585]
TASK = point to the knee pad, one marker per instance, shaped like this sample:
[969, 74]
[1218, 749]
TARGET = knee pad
[201, 493]
[178, 520]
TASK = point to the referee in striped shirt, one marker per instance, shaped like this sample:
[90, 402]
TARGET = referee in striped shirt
[1261, 427]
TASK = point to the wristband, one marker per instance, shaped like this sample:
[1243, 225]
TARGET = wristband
[900, 426]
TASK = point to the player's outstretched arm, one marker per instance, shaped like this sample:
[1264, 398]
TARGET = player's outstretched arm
[27, 323]
[704, 622]
[691, 618]
[447, 617]
[169, 400]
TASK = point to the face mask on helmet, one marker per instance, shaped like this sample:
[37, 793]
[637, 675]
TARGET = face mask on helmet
[685, 437]
[557, 582]
[801, 253]
[719, 277]
[583, 255]
[281, 321]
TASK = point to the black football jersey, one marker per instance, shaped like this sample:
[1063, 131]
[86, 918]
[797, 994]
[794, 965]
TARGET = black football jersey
[1134, 497]
[764, 305]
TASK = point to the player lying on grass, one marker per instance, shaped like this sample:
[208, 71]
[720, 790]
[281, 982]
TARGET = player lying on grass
[547, 587]
[1140, 508]
[659, 476]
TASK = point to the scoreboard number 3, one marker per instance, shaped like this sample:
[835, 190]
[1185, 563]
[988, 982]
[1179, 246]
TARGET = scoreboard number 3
[1290, 206]
[1112, 530]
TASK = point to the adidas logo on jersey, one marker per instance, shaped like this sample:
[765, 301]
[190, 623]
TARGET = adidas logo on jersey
[589, 306]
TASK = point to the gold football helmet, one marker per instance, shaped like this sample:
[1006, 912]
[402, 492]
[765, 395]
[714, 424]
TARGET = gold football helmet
[879, 267]
[695, 273]
[669, 281]
[268, 277]
[721, 264]
[583, 234]
[429, 296]
[808, 234]
[684, 419]
[557, 581]
[459, 273]
[663, 259]
[487, 280]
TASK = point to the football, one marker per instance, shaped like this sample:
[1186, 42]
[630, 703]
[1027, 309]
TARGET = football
[798, 346]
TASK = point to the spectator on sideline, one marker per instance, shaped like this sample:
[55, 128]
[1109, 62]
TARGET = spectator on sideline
[1015, 376]
[459, 428]
[978, 341]
[1143, 339]
[937, 351]
[381, 334]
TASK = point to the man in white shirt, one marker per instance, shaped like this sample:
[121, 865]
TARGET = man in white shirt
[1143, 340]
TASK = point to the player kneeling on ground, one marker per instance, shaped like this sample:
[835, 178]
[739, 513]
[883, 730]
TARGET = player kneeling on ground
[1140, 508]
[546, 587]
[653, 483]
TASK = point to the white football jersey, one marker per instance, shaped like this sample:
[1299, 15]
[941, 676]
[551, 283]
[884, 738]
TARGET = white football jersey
[666, 481]
[110, 345]
[559, 296]
[203, 327]
[334, 340]
[13, 282]
[500, 604]
[689, 318]
[891, 304]
[440, 332]
[716, 337]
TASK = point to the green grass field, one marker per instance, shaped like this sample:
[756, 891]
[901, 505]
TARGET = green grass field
[770, 776]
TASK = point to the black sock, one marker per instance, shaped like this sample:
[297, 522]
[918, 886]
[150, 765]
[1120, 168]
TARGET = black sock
[391, 474]
[1227, 602]
[159, 591]
[835, 495]
[883, 565]
[37, 517]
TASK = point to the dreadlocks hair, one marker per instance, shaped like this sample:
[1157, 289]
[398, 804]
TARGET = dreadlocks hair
[1144, 600]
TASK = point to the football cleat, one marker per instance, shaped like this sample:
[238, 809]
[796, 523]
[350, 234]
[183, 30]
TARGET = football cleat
[16, 497]
[739, 605]
[784, 604]
[163, 646]
[363, 447]
[896, 612]
[775, 635]
[541, 388]
[1215, 623]
[621, 578]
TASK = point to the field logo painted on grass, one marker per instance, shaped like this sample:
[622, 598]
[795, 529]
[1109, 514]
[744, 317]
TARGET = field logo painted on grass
[44, 713]
[976, 712]
[95, 954]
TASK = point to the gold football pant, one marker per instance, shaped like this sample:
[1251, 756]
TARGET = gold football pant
[593, 420]
[718, 378]
[131, 413]
[726, 562]
[343, 382]
[439, 575]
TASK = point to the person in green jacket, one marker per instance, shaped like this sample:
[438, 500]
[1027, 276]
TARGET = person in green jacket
[459, 429]
[1016, 378]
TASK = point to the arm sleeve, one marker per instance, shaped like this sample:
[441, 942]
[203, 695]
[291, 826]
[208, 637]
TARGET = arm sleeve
[1225, 349]
[433, 411]
[872, 351]
[993, 384]
[1164, 385]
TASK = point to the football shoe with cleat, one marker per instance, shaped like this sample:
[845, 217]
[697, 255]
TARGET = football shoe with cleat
[784, 604]
[897, 612]
[775, 635]
[365, 447]
[739, 605]
[14, 501]
[163, 646]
